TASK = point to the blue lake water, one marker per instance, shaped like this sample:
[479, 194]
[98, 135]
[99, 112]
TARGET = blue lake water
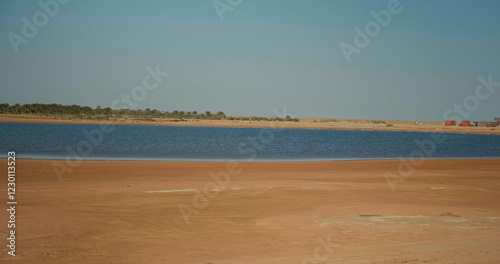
[127, 142]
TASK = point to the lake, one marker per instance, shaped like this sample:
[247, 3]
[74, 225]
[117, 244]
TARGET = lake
[129, 142]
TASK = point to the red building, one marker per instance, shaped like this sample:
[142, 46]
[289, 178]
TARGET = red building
[450, 123]
[465, 123]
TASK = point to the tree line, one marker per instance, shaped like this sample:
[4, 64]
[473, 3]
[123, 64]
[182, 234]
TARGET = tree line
[99, 112]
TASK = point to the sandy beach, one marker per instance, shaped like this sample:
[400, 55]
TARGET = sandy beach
[247, 132]
[305, 123]
[265, 213]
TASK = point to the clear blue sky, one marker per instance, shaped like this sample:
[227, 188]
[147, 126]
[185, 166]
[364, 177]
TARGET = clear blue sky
[263, 55]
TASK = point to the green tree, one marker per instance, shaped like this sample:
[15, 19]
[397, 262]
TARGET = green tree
[4, 108]
[107, 111]
[155, 113]
[87, 110]
[220, 115]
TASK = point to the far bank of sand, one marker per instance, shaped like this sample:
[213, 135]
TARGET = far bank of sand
[305, 123]
[446, 211]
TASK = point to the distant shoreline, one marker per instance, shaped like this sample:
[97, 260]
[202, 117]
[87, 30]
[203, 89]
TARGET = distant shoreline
[305, 123]
[284, 161]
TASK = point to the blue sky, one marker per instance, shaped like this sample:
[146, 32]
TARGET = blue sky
[263, 55]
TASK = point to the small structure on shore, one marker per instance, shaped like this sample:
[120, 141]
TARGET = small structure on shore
[492, 124]
[450, 123]
[464, 123]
